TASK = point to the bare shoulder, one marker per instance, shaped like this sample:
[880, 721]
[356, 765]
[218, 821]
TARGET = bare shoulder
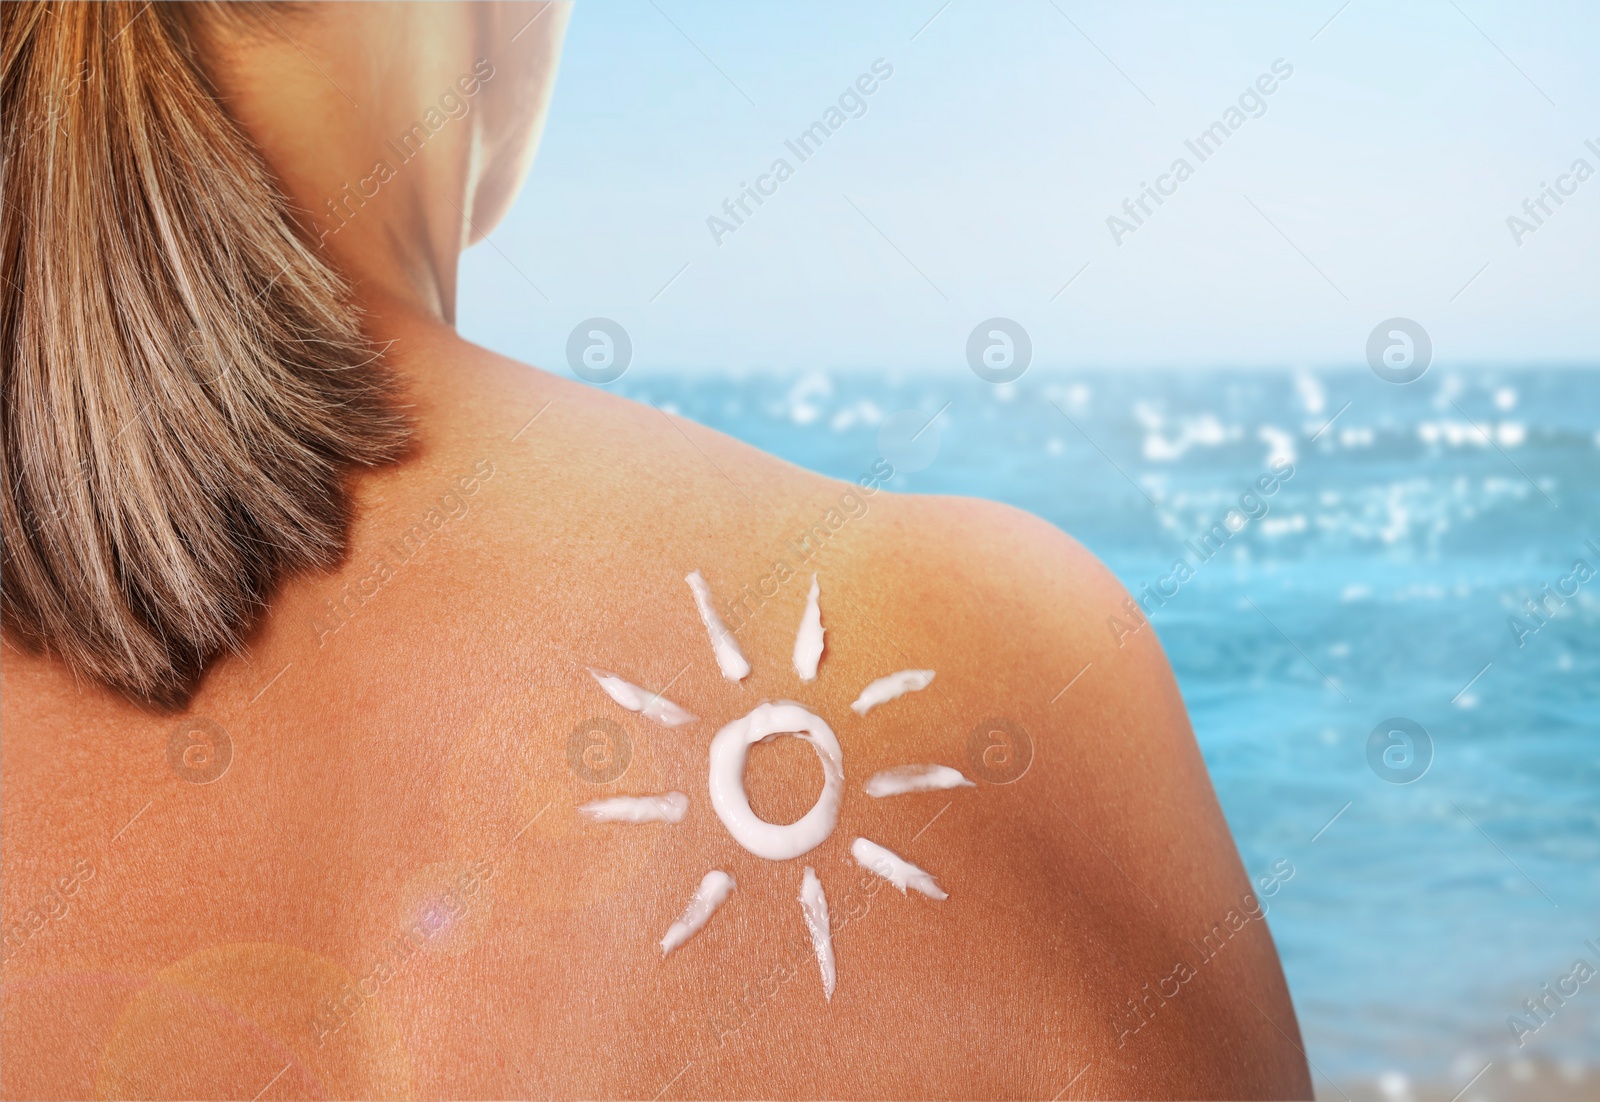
[1039, 621]
[1095, 816]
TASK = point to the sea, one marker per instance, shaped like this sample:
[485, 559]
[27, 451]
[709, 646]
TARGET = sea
[1392, 661]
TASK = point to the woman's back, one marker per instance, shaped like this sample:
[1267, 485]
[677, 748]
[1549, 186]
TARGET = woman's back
[358, 854]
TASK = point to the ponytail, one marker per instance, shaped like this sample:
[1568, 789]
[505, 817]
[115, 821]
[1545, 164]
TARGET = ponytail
[184, 382]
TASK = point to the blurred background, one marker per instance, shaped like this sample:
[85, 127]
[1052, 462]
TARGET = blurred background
[991, 271]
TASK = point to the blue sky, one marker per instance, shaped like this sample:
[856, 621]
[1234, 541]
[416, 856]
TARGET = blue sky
[979, 180]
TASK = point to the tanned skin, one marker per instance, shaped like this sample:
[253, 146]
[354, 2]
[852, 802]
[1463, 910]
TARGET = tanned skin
[401, 770]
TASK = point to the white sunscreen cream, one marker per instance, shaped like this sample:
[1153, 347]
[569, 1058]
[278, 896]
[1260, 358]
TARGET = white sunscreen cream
[728, 751]
[715, 887]
[646, 703]
[914, 778]
[730, 659]
[888, 688]
[669, 808]
[814, 907]
[894, 868]
[808, 640]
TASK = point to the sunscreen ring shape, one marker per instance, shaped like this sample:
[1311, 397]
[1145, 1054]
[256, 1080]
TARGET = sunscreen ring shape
[728, 752]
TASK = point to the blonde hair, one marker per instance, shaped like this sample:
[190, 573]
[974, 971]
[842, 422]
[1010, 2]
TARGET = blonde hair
[185, 383]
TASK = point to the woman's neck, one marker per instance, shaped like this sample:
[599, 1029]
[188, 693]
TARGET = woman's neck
[377, 156]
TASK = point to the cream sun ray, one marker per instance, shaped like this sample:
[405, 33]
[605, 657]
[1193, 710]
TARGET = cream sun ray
[730, 659]
[646, 703]
[915, 778]
[715, 887]
[895, 869]
[808, 640]
[814, 908]
[667, 808]
[889, 688]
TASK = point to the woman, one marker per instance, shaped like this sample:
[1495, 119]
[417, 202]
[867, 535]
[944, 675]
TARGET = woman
[320, 623]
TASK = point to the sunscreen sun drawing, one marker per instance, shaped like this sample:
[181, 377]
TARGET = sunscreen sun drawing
[725, 779]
